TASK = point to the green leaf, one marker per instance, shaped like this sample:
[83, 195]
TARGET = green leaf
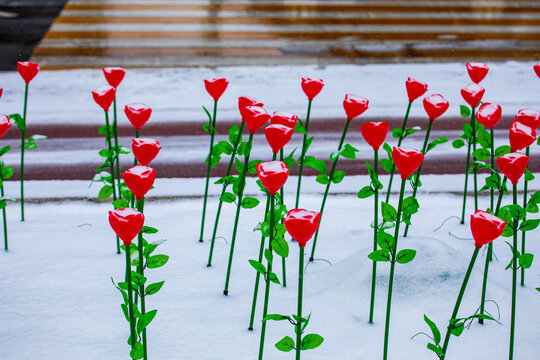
[137, 278]
[405, 256]
[532, 207]
[484, 138]
[387, 165]
[299, 128]
[464, 111]
[233, 134]
[153, 288]
[7, 172]
[252, 166]
[525, 260]
[436, 142]
[149, 230]
[366, 192]
[322, 179]
[458, 143]
[379, 255]
[374, 177]
[434, 330]
[258, 266]
[502, 150]
[280, 246]
[457, 328]
[517, 212]
[249, 202]
[287, 343]
[467, 130]
[157, 261]
[435, 348]
[385, 241]
[273, 278]
[4, 150]
[120, 203]
[348, 152]
[410, 205]
[276, 317]
[481, 154]
[388, 212]
[528, 175]
[316, 164]
[227, 197]
[18, 120]
[145, 320]
[529, 224]
[137, 352]
[338, 176]
[239, 166]
[411, 130]
[105, 192]
[397, 133]
[311, 341]
[30, 145]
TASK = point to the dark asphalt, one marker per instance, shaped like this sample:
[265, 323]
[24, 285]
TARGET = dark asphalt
[22, 25]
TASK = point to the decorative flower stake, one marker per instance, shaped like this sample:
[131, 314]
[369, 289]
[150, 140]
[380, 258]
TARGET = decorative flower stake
[354, 106]
[215, 87]
[374, 133]
[415, 89]
[5, 173]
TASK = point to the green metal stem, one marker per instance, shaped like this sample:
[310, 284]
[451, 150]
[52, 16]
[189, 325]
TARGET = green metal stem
[237, 216]
[334, 164]
[458, 301]
[111, 167]
[525, 197]
[401, 137]
[4, 208]
[300, 295]
[473, 124]
[268, 272]
[392, 268]
[140, 246]
[281, 192]
[23, 136]
[117, 149]
[514, 280]
[375, 231]
[212, 132]
[130, 297]
[137, 134]
[229, 169]
[303, 155]
[466, 182]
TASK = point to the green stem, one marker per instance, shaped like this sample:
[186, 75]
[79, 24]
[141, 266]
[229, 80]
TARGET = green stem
[130, 297]
[4, 208]
[525, 190]
[137, 134]
[375, 230]
[419, 171]
[334, 163]
[117, 149]
[140, 246]
[473, 124]
[231, 162]
[281, 193]
[111, 167]
[242, 185]
[401, 137]
[212, 132]
[492, 156]
[303, 155]
[300, 295]
[514, 280]
[466, 182]
[23, 136]
[392, 268]
[458, 301]
[268, 272]
[258, 275]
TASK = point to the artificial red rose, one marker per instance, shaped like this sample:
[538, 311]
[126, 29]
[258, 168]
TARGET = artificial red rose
[473, 94]
[139, 179]
[301, 224]
[485, 227]
[137, 114]
[477, 71]
[244, 101]
[312, 87]
[145, 150]
[489, 114]
[254, 117]
[114, 75]
[521, 136]
[278, 136]
[27, 70]
[529, 117]
[415, 88]
[216, 87]
[435, 105]
[284, 118]
[273, 175]
[513, 165]
[5, 124]
[406, 160]
[354, 105]
[374, 133]
[104, 96]
[126, 223]
[536, 68]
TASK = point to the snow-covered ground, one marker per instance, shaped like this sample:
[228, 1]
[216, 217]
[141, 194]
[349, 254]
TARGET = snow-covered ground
[58, 301]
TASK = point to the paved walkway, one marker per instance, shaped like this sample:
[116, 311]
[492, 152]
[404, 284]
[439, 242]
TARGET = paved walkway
[156, 33]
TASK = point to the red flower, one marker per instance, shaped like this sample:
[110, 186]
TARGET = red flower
[513, 165]
[415, 88]
[114, 75]
[273, 175]
[104, 96]
[126, 223]
[244, 101]
[5, 124]
[138, 114]
[254, 117]
[216, 87]
[301, 224]
[278, 136]
[473, 94]
[374, 133]
[521, 136]
[145, 150]
[139, 179]
[485, 227]
[312, 87]
[477, 71]
[354, 105]
[529, 117]
[284, 118]
[435, 105]
[27, 70]
[489, 114]
[406, 160]
[537, 69]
